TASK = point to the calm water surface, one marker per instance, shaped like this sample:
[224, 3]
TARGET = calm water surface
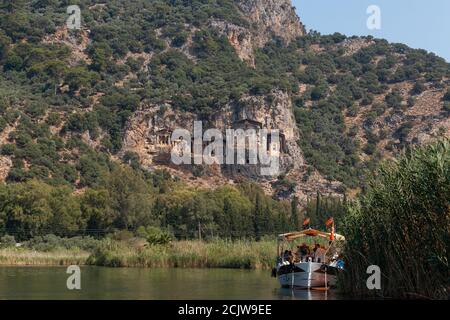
[147, 284]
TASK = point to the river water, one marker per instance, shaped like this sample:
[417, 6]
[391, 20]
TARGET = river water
[147, 284]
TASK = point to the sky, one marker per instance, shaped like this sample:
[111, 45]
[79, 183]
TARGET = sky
[421, 24]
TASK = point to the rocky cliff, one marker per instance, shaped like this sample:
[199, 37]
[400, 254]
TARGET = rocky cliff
[149, 131]
[266, 19]
[272, 18]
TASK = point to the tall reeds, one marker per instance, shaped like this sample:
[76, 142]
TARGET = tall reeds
[189, 254]
[402, 224]
[27, 257]
[217, 253]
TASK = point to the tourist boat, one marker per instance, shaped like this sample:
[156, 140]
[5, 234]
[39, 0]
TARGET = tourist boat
[309, 272]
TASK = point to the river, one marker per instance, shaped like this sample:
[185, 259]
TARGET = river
[40, 283]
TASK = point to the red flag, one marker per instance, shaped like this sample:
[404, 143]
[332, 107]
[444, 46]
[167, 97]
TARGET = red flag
[329, 222]
[306, 222]
[332, 233]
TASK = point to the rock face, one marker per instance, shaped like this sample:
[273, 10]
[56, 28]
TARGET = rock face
[267, 19]
[271, 18]
[240, 38]
[5, 166]
[149, 135]
[272, 112]
[149, 131]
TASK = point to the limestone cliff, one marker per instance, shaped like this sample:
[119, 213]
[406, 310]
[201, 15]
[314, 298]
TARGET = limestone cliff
[149, 136]
[271, 18]
[266, 19]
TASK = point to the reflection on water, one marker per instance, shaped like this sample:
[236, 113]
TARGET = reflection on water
[148, 284]
[298, 294]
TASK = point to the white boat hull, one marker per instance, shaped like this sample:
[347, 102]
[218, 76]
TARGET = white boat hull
[305, 275]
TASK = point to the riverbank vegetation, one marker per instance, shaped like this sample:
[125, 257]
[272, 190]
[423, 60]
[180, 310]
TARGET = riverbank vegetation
[238, 254]
[26, 257]
[127, 200]
[402, 224]
[137, 252]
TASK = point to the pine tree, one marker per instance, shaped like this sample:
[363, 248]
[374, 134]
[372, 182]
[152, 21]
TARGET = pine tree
[317, 212]
[268, 220]
[12, 6]
[258, 217]
[294, 213]
[228, 215]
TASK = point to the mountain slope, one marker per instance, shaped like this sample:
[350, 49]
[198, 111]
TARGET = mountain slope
[74, 102]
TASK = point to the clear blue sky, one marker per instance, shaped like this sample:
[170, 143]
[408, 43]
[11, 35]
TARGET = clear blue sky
[421, 24]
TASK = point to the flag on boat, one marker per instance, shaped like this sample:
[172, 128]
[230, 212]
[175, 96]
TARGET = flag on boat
[332, 233]
[306, 222]
[330, 222]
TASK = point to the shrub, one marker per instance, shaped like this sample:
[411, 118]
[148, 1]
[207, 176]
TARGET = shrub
[447, 106]
[154, 235]
[411, 102]
[123, 235]
[418, 88]
[318, 92]
[7, 241]
[8, 149]
[447, 96]
[51, 242]
[394, 100]
[370, 148]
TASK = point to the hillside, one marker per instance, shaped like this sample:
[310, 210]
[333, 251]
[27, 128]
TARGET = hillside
[74, 104]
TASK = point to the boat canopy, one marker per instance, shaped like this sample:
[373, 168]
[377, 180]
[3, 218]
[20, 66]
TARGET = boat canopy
[308, 233]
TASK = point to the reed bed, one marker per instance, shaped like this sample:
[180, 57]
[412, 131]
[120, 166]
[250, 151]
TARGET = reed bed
[27, 257]
[402, 224]
[179, 254]
[189, 254]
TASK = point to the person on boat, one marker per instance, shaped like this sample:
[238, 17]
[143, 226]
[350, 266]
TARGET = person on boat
[290, 257]
[340, 264]
[319, 254]
[303, 252]
[298, 255]
[316, 246]
[316, 252]
[286, 255]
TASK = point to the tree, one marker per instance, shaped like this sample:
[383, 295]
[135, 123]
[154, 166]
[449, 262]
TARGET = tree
[418, 87]
[67, 217]
[319, 92]
[447, 95]
[258, 217]
[12, 6]
[5, 42]
[130, 198]
[96, 209]
[79, 77]
[100, 54]
[25, 209]
[294, 213]
[394, 100]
